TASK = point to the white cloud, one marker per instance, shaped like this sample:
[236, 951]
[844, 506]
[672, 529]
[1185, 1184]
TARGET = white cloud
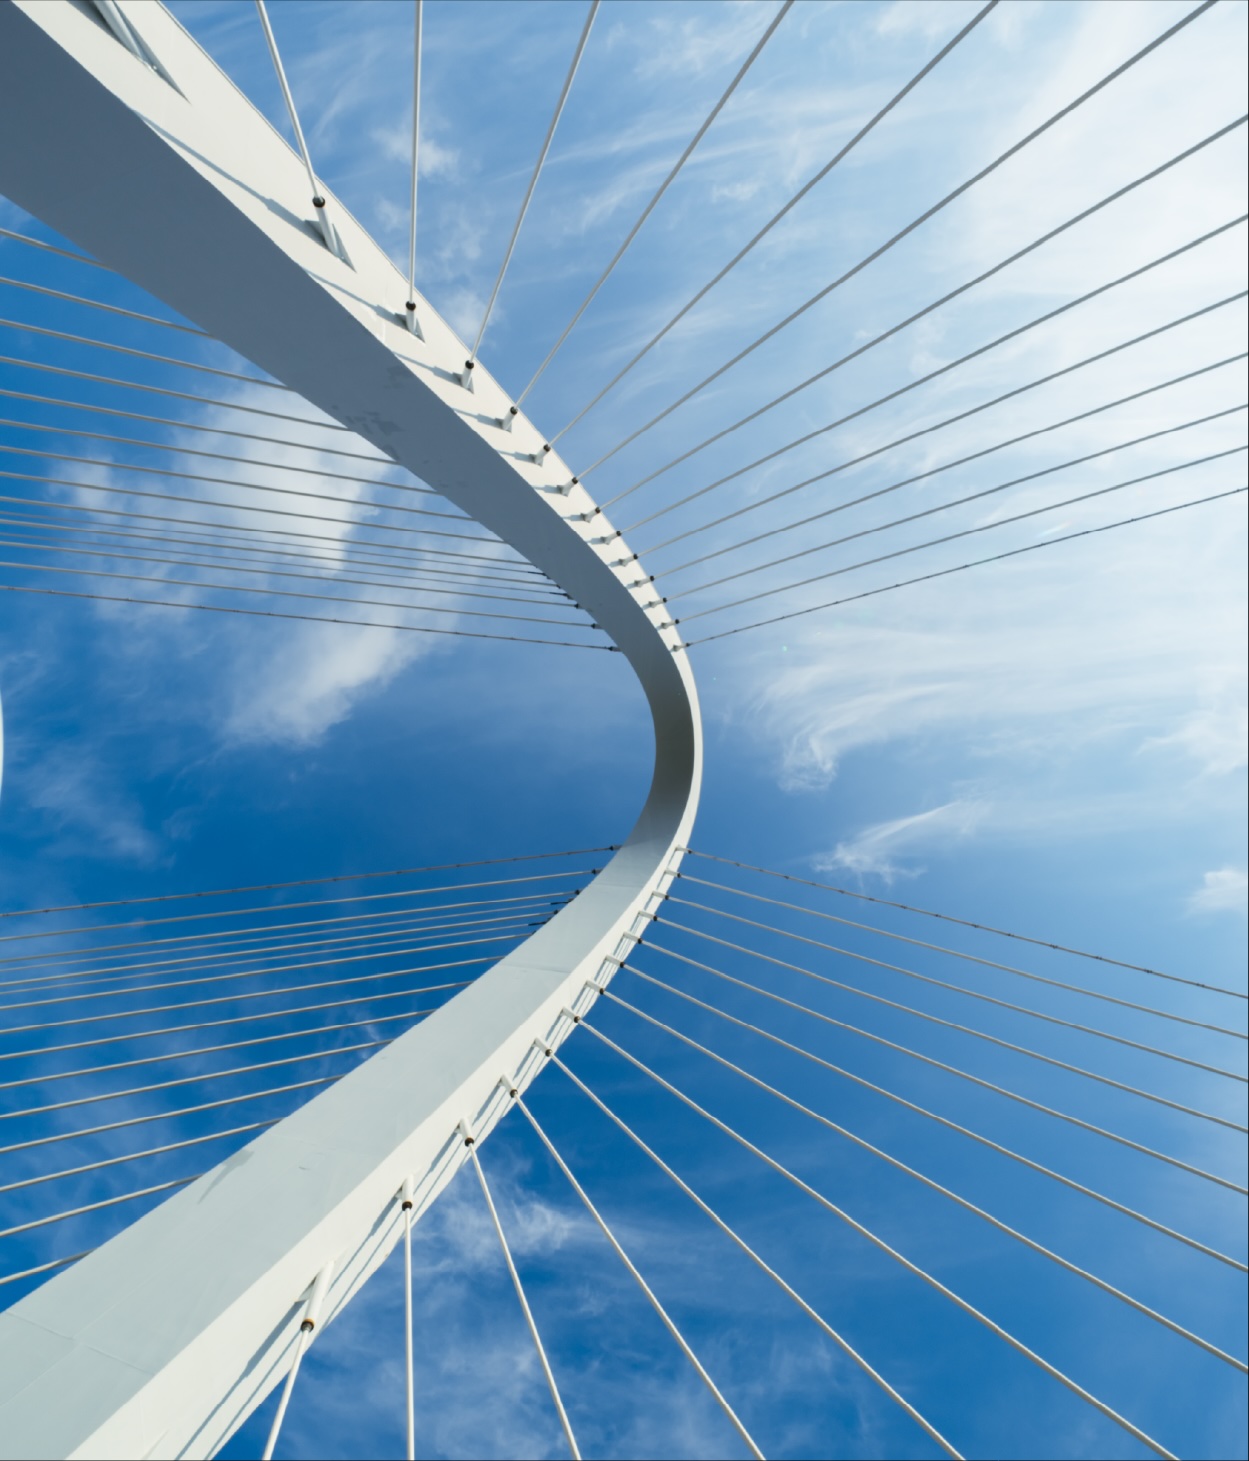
[84, 805]
[293, 696]
[873, 852]
[1224, 891]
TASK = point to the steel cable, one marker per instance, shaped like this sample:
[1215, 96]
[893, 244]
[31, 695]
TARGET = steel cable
[113, 309]
[279, 512]
[954, 1070]
[524, 1302]
[524, 917]
[530, 906]
[976, 563]
[966, 923]
[78, 999]
[176, 449]
[864, 1232]
[264, 571]
[1061, 309]
[199, 400]
[72, 339]
[235, 997]
[946, 506]
[199, 427]
[464, 566]
[238, 484]
[38, 243]
[932, 1019]
[267, 565]
[251, 1018]
[285, 593]
[934, 1186]
[658, 194]
[109, 1126]
[907, 230]
[845, 1346]
[1000, 522]
[960, 989]
[954, 420]
[776, 217]
[945, 1121]
[299, 883]
[533, 183]
[717, 1395]
[960, 954]
[412, 566]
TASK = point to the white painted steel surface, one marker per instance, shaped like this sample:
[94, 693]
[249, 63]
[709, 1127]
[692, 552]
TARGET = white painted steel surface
[161, 1342]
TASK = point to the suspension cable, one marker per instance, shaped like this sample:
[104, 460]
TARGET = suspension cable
[1000, 522]
[941, 507]
[524, 1302]
[44, 1267]
[177, 449]
[38, 243]
[300, 883]
[951, 421]
[198, 1078]
[410, 563]
[252, 1017]
[932, 1019]
[156, 1151]
[202, 428]
[776, 217]
[61, 593]
[135, 385]
[192, 1006]
[113, 309]
[954, 1070]
[201, 950]
[466, 566]
[142, 1120]
[842, 1343]
[263, 571]
[199, 941]
[72, 1212]
[286, 593]
[960, 989]
[270, 949]
[976, 563]
[171, 473]
[913, 1268]
[945, 1121]
[682, 1344]
[1061, 309]
[524, 208]
[270, 565]
[966, 923]
[414, 326]
[249, 507]
[323, 224]
[48, 333]
[904, 232]
[934, 1186]
[960, 954]
[658, 194]
[231, 977]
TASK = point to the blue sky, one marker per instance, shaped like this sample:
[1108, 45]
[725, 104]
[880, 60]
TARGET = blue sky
[1055, 744]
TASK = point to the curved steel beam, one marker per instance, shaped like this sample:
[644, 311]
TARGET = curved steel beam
[162, 1341]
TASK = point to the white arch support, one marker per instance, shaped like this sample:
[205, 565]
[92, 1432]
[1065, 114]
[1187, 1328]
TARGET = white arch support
[164, 1340]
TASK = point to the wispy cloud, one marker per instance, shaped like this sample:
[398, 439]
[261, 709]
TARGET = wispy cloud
[1225, 890]
[878, 850]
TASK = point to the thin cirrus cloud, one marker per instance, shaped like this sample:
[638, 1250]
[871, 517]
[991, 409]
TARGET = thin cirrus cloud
[1226, 890]
[888, 850]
